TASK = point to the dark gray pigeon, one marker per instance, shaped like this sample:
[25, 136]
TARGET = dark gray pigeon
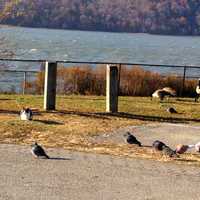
[158, 145]
[171, 110]
[38, 151]
[130, 139]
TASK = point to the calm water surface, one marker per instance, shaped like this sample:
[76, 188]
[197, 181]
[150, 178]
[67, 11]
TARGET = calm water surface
[51, 44]
[29, 43]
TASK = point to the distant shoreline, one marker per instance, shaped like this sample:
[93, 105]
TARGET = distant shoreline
[117, 32]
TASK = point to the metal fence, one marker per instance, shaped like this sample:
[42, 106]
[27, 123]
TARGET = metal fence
[18, 78]
[16, 73]
[17, 84]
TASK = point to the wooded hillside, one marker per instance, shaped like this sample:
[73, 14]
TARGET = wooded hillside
[177, 17]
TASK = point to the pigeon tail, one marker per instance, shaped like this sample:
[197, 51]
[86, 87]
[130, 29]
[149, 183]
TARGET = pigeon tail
[139, 144]
[47, 157]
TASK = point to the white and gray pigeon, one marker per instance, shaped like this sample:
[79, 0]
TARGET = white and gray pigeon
[130, 139]
[38, 151]
[26, 114]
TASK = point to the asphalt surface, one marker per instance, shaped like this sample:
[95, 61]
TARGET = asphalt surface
[170, 134]
[82, 176]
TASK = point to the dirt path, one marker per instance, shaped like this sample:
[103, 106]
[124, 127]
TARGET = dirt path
[81, 176]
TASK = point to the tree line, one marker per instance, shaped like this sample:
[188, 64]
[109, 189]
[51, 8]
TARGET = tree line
[177, 17]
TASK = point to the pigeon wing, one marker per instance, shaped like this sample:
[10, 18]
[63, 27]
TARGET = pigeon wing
[169, 152]
[132, 140]
[158, 145]
[39, 151]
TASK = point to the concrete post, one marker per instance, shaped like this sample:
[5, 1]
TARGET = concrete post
[24, 84]
[50, 86]
[183, 84]
[112, 89]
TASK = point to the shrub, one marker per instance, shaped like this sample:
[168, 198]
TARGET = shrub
[134, 81]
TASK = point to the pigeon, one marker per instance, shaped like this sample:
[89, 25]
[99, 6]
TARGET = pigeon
[167, 151]
[130, 139]
[171, 110]
[38, 151]
[26, 114]
[158, 145]
[162, 93]
[197, 91]
[181, 148]
[159, 94]
[197, 147]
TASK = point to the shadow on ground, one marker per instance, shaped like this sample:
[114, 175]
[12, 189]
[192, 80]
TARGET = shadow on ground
[151, 118]
[105, 115]
[16, 112]
[50, 122]
[83, 114]
[56, 158]
[6, 99]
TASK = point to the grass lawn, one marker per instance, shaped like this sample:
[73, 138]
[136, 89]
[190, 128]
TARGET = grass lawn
[78, 118]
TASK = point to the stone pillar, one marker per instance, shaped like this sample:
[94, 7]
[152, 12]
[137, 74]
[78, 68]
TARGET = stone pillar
[50, 86]
[112, 88]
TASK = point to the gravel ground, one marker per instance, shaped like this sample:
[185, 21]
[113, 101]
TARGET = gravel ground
[82, 176]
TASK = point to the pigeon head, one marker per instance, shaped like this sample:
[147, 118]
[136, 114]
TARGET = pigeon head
[35, 144]
[126, 134]
[28, 110]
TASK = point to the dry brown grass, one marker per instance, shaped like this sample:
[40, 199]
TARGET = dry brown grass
[72, 127]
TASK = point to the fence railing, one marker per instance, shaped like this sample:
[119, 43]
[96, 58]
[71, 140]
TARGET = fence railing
[103, 63]
[183, 69]
[25, 73]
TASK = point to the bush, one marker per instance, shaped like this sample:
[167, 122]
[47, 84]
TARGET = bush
[134, 81]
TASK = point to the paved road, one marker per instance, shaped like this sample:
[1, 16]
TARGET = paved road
[81, 176]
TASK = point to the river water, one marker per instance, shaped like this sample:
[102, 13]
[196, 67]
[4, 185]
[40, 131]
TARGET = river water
[49, 44]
